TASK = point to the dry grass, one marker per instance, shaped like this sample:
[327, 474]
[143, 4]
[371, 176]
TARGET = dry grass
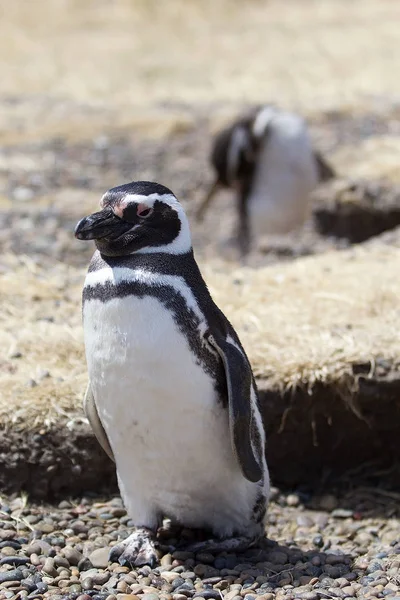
[375, 158]
[302, 322]
[67, 59]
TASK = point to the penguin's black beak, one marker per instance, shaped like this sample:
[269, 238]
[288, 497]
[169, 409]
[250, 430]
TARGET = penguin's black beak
[102, 224]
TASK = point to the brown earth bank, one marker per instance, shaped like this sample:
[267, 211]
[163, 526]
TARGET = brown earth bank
[315, 441]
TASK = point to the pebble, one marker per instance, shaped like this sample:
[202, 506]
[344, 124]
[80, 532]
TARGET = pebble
[16, 561]
[99, 557]
[151, 597]
[49, 567]
[12, 575]
[292, 500]
[72, 555]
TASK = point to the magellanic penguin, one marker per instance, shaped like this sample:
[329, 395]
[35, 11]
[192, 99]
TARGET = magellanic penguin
[267, 157]
[172, 397]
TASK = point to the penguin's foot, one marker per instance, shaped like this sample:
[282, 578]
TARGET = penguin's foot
[234, 544]
[137, 550]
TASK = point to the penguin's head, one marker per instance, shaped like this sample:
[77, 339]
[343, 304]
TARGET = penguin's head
[137, 217]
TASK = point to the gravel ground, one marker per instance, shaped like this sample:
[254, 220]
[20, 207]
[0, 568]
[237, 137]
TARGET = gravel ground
[323, 547]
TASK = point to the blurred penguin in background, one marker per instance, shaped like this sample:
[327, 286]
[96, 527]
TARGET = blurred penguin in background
[267, 157]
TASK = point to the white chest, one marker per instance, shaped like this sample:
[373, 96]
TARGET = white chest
[168, 432]
[284, 178]
[140, 363]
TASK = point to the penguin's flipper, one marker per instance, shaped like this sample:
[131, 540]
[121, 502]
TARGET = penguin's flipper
[240, 386]
[201, 211]
[325, 171]
[89, 406]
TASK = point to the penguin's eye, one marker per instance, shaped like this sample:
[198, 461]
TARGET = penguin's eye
[143, 211]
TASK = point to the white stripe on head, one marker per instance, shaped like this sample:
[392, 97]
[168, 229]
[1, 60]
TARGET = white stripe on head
[183, 241]
[150, 200]
[262, 120]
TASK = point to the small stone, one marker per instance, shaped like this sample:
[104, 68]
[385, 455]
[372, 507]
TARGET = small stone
[169, 576]
[16, 561]
[61, 561]
[101, 577]
[176, 597]
[136, 588]
[318, 541]
[166, 560]
[222, 585]
[151, 597]
[85, 564]
[177, 582]
[13, 575]
[99, 558]
[42, 587]
[46, 527]
[87, 583]
[7, 550]
[72, 555]
[49, 567]
[82, 597]
[200, 570]
[122, 586]
[292, 500]
[232, 593]
[188, 575]
[212, 580]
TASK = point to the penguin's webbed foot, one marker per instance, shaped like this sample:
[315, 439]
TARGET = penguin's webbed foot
[137, 550]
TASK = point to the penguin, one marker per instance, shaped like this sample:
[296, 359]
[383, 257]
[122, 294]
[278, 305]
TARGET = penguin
[172, 397]
[267, 157]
